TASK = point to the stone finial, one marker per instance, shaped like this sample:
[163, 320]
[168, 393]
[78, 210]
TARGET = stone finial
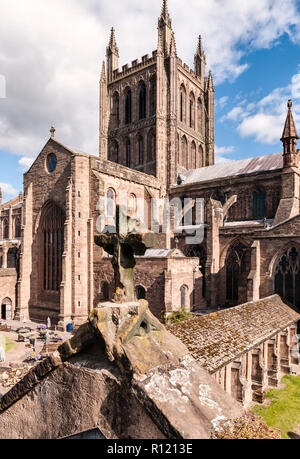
[164, 11]
[103, 72]
[210, 81]
[290, 131]
[289, 139]
[52, 132]
[290, 104]
[112, 46]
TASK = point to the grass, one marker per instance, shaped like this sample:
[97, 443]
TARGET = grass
[284, 411]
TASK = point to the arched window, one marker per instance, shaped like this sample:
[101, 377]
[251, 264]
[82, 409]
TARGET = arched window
[184, 296]
[140, 293]
[113, 154]
[199, 115]
[128, 106]
[105, 291]
[182, 104]
[200, 159]
[184, 158]
[116, 111]
[258, 204]
[110, 203]
[52, 224]
[140, 150]
[17, 227]
[232, 277]
[151, 153]
[153, 95]
[193, 163]
[287, 277]
[192, 111]
[12, 258]
[128, 153]
[142, 101]
[5, 229]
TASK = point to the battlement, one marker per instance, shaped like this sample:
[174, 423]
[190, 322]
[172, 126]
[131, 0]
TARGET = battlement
[135, 66]
[188, 69]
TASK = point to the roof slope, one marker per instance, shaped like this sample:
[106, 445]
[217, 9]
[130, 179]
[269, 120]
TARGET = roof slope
[217, 339]
[234, 168]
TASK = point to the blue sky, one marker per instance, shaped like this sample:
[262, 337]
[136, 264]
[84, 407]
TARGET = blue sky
[51, 56]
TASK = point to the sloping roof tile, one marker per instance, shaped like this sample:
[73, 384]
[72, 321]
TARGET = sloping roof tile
[215, 340]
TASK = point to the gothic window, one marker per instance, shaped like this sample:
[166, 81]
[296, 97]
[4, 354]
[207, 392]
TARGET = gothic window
[232, 277]
[142, 102]
[5, 229]
[258, 204]
[17, 227]
[184, 296]
[151, 153]
[140, 293]
[200, 162]
[114, 152]
[105, 291]
[12, 258]
[128, 153]
[153, 95]
[192, 111]
[184, 159]
[199, 115]
[182, 104]
[116, 111]
[287, 277]
[141, 150]
[193, 164]
[53, 242]
[128, 105]
[110, 203]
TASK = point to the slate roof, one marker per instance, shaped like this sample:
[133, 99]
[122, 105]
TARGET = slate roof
[234, 168]
[215, 340]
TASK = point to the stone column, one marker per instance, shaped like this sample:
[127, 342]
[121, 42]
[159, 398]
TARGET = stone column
[4, 259]
[253, 281]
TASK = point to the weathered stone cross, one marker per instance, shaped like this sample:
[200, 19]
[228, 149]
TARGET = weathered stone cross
[123, 247]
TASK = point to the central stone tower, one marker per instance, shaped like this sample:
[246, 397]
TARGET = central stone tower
[157, 115]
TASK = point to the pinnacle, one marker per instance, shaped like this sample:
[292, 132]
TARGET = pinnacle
[290, 130]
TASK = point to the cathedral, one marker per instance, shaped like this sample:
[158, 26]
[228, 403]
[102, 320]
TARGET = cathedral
[156, 140]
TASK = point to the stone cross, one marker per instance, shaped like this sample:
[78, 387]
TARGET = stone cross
[123, 245]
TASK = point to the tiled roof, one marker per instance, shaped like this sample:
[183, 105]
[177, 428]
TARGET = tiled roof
[215, 340]
[234, 168]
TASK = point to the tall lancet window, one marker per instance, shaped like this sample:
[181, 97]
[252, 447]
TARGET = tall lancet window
[182, 104]
[199, 115]
[153, 95]
[142, 101]
[128, 107]
[52, 223]
[192, 111]
[287, 277]
[115, 111]
[127, 153]
[140, 150]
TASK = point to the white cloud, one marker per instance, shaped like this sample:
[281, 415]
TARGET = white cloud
[265, 120]
[221, 152]
[8, 190]
[233, 115]
[26, 162]
[51, 55]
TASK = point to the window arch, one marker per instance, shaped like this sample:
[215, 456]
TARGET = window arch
[287, 277]
[17, 227]
[184, 158]
[259, 204]
[116, 110]
[232, 276]
[153, 95]
[182, 104]
[52, 224]
[132, 203]
[142, 101]
[192, 111]
[113, 154]
[111, 203]
[128, 106]
[193, 163]
[151, 153]
[5, 229]
[200, 159]
[141, 158]
[199, 115]
[140, 293]
[127, 153]
[184, 290]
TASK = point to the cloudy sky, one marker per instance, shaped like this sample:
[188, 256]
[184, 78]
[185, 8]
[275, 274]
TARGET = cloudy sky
[50, 62]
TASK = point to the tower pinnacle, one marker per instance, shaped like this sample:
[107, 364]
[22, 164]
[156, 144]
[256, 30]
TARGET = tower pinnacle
[165, 12]
[289, 139]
